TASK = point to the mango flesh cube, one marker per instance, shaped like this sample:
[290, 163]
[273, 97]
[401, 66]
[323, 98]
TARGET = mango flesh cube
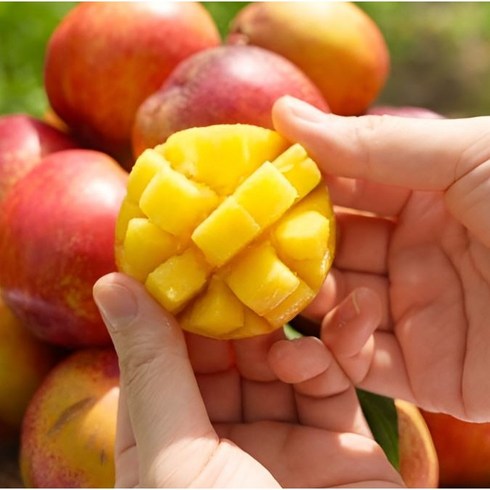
[225, 232]
[290, 157]
[317, 200]
[254, 325]
[217, 309]
[230, 227]
[303, 235]
[146, 167]
[266, 194]
[312, 271]
[178, 279]
[260, 279]
[199, 155]
[127, 211]
[287, 310]
[175, 203]
[146, 246]
[300, 170]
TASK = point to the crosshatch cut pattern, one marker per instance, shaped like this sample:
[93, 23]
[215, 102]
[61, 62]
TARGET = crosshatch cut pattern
[229, 227]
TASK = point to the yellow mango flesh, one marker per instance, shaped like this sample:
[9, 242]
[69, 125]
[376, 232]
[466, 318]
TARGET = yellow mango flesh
[260, 279]
[230, 227]
[175, 203]
[148, 246]
[303, 235]
[178, 279]
[225, 232]
[208, 310]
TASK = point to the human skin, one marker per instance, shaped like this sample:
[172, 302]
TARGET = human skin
[419, 204]
[199, 412]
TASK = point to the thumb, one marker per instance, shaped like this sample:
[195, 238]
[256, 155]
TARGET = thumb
[163, 399]
[418, 154]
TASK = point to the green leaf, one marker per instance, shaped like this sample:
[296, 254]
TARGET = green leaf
[291, 333]
[381, 415]
[223, 13]
[25, 30]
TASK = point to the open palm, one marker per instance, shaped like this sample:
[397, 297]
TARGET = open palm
[434, 282]
[417, 231]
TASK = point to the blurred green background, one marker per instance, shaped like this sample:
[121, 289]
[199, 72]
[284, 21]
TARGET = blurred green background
[440, 53]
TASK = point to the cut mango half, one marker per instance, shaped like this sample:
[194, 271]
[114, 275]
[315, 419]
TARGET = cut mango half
[230, 228]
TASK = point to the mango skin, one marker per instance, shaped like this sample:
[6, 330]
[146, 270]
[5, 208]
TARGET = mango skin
[463, 449]
[222, 85]
[104, 58]
[68, 433]
[24, 141]
[24, 363]
[56, 240]
[335, 44]
[419, 463]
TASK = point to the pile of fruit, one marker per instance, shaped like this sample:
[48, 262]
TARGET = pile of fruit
[157, 144]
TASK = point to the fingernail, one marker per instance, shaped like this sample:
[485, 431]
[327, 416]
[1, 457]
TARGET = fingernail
[303, 110]
[348, 311]
[116, 303]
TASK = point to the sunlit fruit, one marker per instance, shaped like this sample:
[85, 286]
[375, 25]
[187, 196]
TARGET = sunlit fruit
[105, 58]
[56, 239]
[338, 46]
[24, 141]
[419, 465]
[223, 85]
[24, 362]
[230, 227]
[68, 434]
[463, 449]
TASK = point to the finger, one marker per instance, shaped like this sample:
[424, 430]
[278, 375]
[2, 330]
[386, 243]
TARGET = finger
[340, 412]
[347, 328]
[348, 332]
[295, 361]
[325, 397]
[222, 395]
[270, 401]
[339, 284]
[125, 449]
[381, 199]
[333, 381]
[363, 243]
[329, 400]
[163, 399]
[308, 364]
[209, 355]
[219, 382]
[421, 154]
[251, 356]
[387, 374]
[263, 396]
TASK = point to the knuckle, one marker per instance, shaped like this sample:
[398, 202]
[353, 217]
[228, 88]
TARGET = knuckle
[138, 366]
[367, 134]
